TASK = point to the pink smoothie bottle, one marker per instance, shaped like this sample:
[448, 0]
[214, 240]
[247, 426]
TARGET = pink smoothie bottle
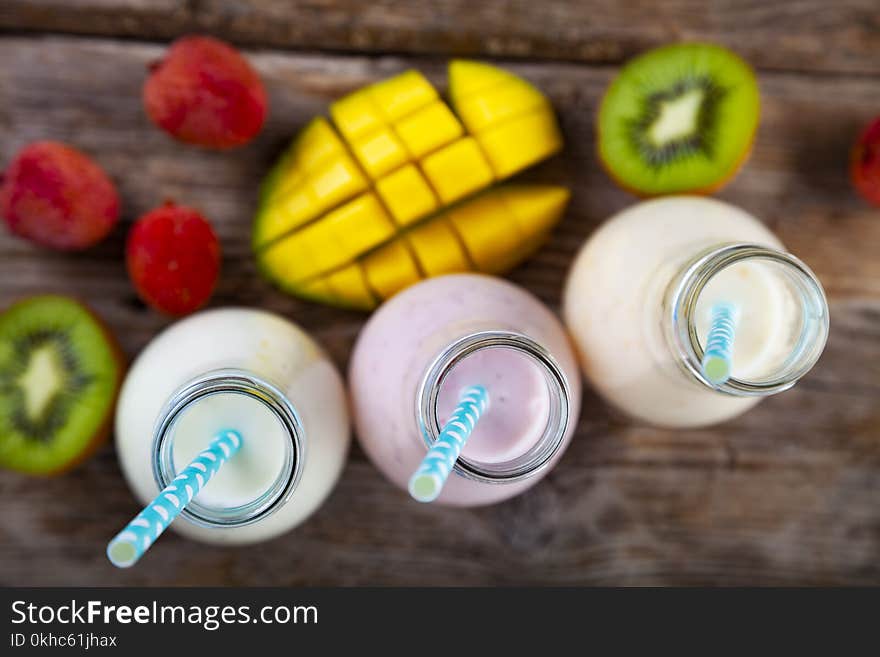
[427, 345]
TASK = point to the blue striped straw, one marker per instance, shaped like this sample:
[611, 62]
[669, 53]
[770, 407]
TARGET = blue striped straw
[427, 481]
[717, 357]
[130, 544]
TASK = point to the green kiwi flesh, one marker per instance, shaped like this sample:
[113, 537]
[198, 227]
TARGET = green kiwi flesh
[679, 119]
[59, 375]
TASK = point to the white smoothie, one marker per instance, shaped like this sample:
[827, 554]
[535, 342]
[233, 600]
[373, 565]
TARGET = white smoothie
[270, 348]
[614, 308]
[762, 301]
[256, 465]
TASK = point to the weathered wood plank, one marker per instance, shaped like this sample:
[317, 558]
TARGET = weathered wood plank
[786, 494]
[806, 35]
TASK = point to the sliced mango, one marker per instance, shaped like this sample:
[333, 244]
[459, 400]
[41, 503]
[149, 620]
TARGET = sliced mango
[399, 187]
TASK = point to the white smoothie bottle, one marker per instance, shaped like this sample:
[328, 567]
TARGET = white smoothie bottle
[243, 370]
[639, 302]
[428, 344]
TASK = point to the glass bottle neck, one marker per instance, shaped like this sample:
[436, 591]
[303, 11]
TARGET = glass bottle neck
[539, 456]
[798, 303]
[224, 382]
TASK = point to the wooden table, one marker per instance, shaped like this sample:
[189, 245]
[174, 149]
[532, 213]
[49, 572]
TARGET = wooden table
[788, 494]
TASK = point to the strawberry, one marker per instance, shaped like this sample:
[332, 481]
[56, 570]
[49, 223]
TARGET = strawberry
[204, 92]
[173, 259]
[56, 196]
[865, 163]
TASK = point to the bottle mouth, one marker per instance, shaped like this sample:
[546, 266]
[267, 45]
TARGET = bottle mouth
[534, 460]
[237, 382]
[805, 305]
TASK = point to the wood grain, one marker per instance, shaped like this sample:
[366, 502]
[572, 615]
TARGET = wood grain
[785, 495]
[804, 35]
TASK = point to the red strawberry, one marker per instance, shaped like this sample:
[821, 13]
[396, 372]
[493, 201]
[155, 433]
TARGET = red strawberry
[865, 163]
[58, 197]
[173, 259]
[204, 92]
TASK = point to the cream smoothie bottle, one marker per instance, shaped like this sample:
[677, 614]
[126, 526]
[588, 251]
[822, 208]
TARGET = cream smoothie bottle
[426, 346]
[241, 370]
[640, 298]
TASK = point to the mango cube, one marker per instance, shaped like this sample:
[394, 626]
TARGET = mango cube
[359, 226]
[390, 269]
[349, 288]
[317, 143]
[438, 249]
[379, 152]
[322, 243]
[276, 219]
[428, 129]
[521, 142]
[407, 195]
[401, 95]
[468, 78]
[457, 170]
[336, 182]
[356, 114]
[499, 104]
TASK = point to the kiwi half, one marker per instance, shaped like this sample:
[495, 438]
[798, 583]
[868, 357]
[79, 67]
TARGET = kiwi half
[680, 118]
[60, 371]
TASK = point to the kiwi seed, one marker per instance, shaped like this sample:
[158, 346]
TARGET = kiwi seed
[657, 151]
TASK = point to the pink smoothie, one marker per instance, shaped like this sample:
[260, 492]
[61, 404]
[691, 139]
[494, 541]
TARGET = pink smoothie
[402, 339]
[519, 403]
